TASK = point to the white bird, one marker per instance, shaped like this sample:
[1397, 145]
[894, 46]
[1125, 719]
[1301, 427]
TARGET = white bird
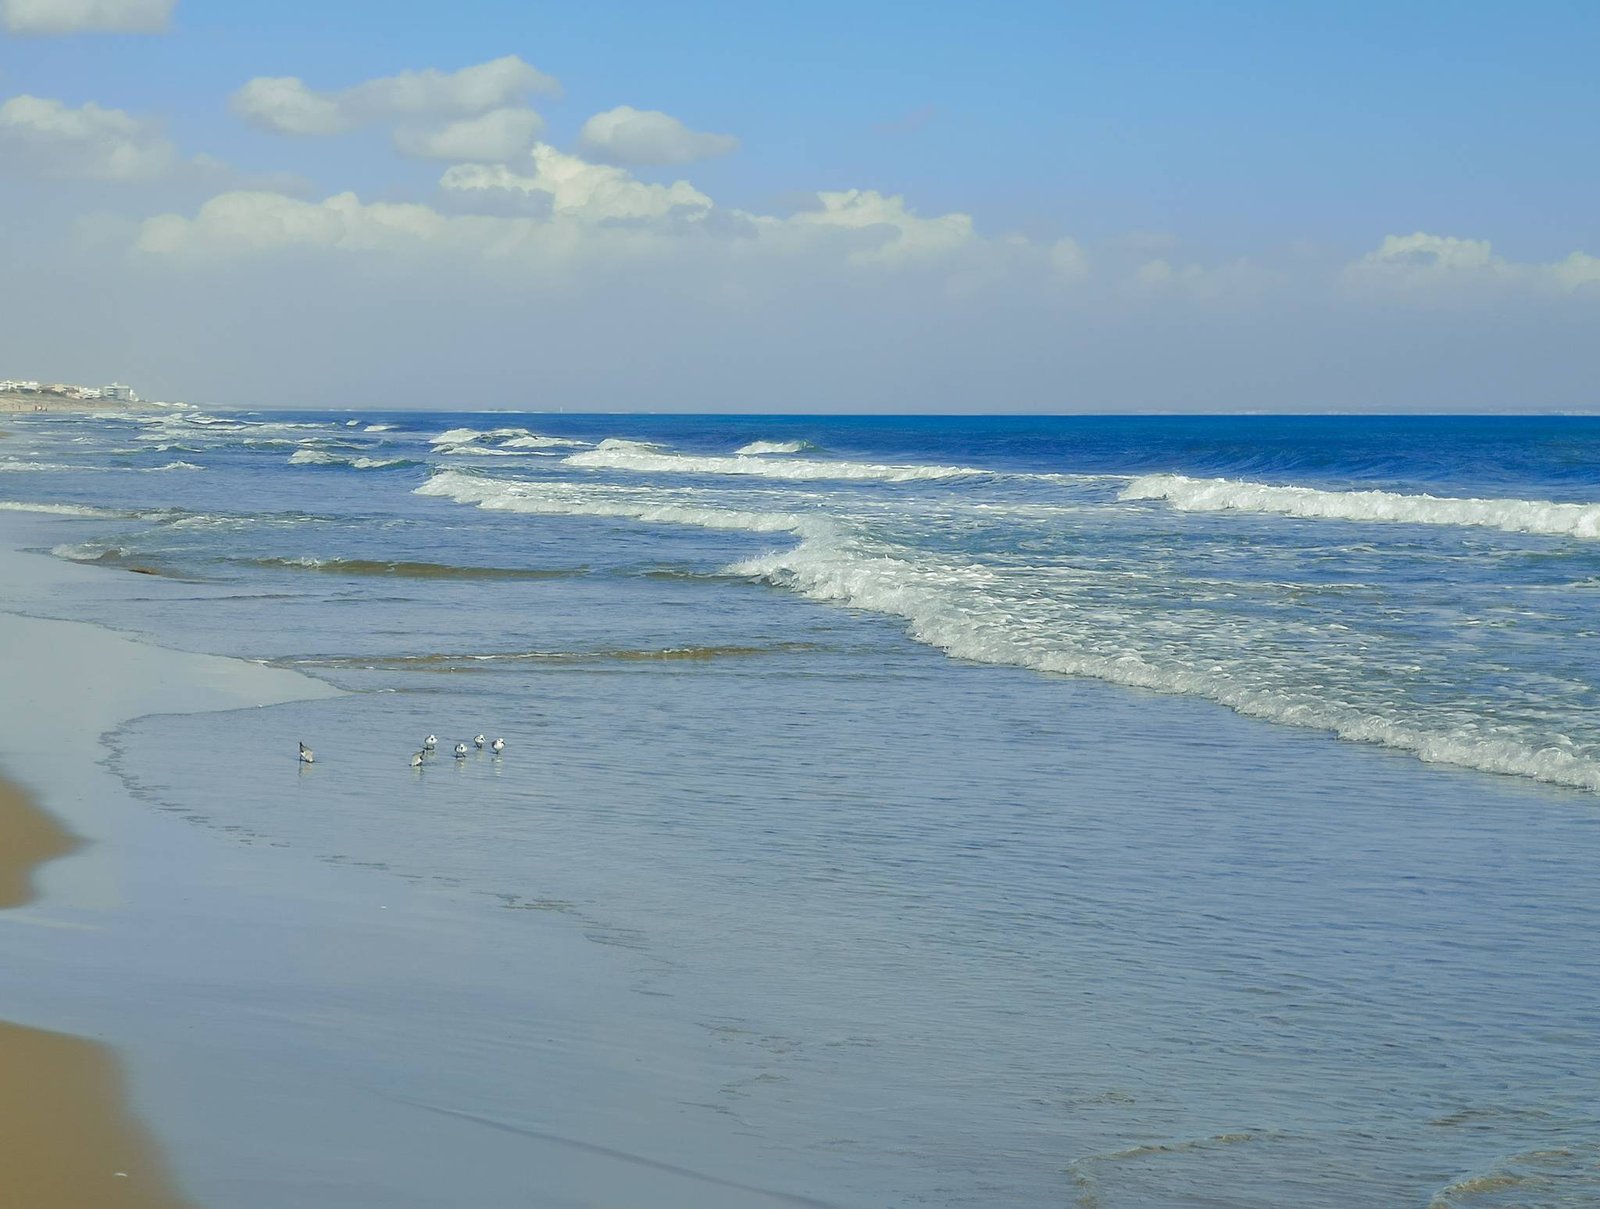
[477, 741]
[461, 751]
[307, 756]
[430, 743]
[416, 759]
[498, 746]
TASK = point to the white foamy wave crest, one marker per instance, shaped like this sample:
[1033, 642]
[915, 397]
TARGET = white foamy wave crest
[378, 428]
[1226, 495]
[650, 459]
[755, 448]
[321, 457]
[535, 441]
[177, 466]
[21, 467]
[90, 552]
[623, 503]
[503, 442]
[58, 509]
[955, 607]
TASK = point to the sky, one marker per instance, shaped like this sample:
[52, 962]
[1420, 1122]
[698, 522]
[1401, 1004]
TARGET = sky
[889, 207]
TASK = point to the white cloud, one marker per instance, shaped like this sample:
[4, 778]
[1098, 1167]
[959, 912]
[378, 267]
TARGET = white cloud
[493, 137]
[286, 105]
[1443, 267]
[47, 138]
[1068, 258]
[85, 16]
[626, 135]
[893, 233]
[1433, 253]
[578, 189]
[1576, 271]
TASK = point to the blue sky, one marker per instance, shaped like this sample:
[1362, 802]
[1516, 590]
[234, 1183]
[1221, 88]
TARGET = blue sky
[1258, 155]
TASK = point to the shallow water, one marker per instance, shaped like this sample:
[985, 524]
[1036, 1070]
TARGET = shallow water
[1006, 929]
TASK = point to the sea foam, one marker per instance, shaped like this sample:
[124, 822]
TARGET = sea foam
[756, 448]
[1227, 495]
[321, 457]
[965, 610]
[649, 459]
[957, 609]
[623, 503]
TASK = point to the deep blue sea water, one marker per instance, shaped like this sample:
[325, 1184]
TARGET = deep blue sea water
[1090, 811]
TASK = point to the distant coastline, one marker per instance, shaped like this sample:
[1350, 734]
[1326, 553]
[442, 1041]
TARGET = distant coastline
[12, 402]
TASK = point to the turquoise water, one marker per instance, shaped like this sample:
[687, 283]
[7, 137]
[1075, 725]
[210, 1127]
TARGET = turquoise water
[970, 785]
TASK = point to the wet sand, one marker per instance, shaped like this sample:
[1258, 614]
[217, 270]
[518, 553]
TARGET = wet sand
[28, 837]
[66, 1141]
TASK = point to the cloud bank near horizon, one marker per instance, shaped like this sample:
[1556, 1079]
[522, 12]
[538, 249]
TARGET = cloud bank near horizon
[627, 286]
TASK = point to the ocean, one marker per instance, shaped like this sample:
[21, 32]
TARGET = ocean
[1001, 811]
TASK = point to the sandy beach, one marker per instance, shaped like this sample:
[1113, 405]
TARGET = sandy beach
[68, 1139]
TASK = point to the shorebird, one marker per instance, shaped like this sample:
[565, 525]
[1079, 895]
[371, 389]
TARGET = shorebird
[430, 743]
[416, 759]
[307, 756]
[498, 746]
[461, 751]
[477, 741]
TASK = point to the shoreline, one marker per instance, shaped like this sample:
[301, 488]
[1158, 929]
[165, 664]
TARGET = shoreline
[28, 838]
[293, 1030]
[70, 1141]
[73, 1133]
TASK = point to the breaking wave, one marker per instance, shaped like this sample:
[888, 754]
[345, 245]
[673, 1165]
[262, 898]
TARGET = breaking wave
[756, 448]
[121, 557]
[20, 467]
[959, 609]
[61, 509]
[504, 442]
[1227, 495]
[321, 457]
[972, 611]
[649, 459]
[623, 503]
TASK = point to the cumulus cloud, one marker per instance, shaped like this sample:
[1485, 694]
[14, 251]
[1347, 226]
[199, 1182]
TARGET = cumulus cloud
[493, 137]
[85, 16]
[1425, 266]
[626, 135]
[578, 189]
[49, 139]
[893, 233]
[286, 105]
